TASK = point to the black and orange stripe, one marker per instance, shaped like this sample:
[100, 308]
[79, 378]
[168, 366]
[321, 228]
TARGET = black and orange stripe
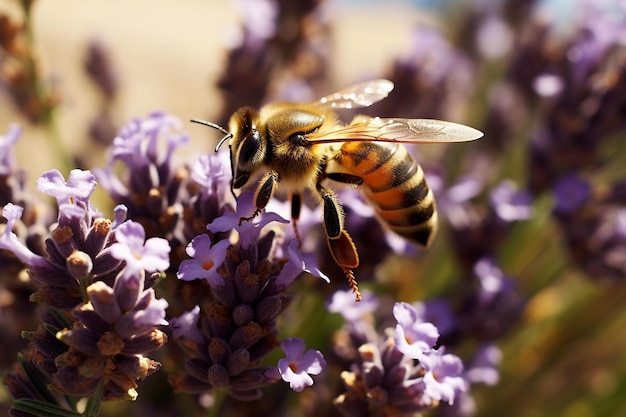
[395, 185]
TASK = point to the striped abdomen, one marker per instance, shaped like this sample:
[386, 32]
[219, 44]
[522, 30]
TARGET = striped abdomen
[395, 185]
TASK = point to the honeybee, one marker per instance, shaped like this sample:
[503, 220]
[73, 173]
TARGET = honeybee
[297, 146]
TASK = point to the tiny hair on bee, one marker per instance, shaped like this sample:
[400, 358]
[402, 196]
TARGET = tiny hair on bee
[295, 147]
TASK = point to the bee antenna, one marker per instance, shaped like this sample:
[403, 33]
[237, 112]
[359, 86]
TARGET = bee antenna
[227, 134]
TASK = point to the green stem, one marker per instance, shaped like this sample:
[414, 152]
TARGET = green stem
[215, 410]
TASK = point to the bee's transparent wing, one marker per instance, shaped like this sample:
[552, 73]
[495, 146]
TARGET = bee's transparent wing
[400, 130]
[359, 95]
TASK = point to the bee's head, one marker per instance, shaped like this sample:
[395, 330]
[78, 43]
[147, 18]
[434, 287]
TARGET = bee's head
[247, 148]
[246, 145]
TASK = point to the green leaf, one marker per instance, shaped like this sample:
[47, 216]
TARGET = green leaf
[43, 409]
[93, 405]
[40, 385]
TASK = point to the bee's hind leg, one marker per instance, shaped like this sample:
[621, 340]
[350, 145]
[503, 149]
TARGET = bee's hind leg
[339, 242]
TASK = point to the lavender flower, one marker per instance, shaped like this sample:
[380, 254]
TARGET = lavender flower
[248, 231]
[226, 338]
[10, 242]
[443, 377]
[509, 203]
[7, 142]
[490, 310]
[206, 260]
[298, 365]
[413, 337]
[571, 193]
[483, 366]
[386, 379]
[298, 262]
[342, 302]
[95, 276]
[139, 254]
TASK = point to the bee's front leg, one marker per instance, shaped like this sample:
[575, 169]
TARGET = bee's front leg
[263, 194]
[339, 242]
[296, 206]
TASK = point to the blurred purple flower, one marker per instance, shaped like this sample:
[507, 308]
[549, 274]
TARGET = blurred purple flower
[210, 171]
[414, 337]
[186, 325]
[260, 19]
[494, 38]
[482, 369]
[9, 240]
[438, 312]
[443, 377]
[342, 302]
[491, 278]
[298, 365]
[207, 258]
[571, 193]
[548, 85]
[7, 144]
[509, 203]
[137, 142]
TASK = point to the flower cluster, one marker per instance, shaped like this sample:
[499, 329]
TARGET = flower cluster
[20, 70]
[402, 371]
[575, 78]
[260, 49]
[16, 312]
[525, 211]
[226, 339]
[174, 202]
[101, 315]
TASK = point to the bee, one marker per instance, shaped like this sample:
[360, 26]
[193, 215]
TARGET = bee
[299, 146]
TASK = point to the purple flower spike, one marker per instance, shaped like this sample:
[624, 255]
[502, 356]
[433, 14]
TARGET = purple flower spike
[298, 365]
[78, 186]
[131, 246]
[7, 141]
[413, 337]
[9, 241]
[443, 377]
[206, 261]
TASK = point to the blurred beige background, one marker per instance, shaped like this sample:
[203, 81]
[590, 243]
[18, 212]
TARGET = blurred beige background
[168, 54]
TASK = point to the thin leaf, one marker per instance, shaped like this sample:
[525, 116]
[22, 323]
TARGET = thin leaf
[36, 379]
[93, 404]
[43, 409]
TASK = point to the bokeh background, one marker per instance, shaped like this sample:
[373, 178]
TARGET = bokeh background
[545, 80]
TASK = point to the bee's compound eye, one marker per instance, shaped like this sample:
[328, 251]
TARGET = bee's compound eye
[249, 148]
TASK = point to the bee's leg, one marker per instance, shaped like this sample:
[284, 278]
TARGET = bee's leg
[296, 205]
[339, 242]
[263, 194]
